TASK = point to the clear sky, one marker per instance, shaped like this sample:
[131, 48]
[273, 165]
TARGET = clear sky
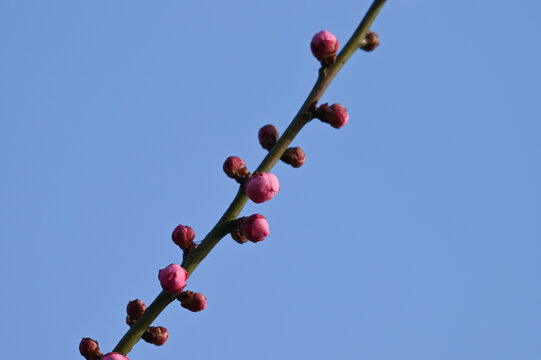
[411, 233]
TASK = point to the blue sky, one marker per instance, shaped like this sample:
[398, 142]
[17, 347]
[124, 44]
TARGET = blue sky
[413, 232]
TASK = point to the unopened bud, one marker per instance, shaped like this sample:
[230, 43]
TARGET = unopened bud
[235, 168]
[135, 309]
[156, 335]
[183, 236]
[89, 349]
[268, 136]
[294, 156]
[173, 279]
[371, 41]
[261, 187]
[324, 46]
[114, 356]
[336, 115]
[255, 228]
[192, 301]
[341, 116]
[238, 236]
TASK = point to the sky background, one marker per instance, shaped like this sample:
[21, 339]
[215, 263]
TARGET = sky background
[411, 233]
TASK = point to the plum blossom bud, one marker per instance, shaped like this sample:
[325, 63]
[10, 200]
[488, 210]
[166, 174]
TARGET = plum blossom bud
[371, 41]
[294, 156]
[89, 349]
[238, 236]
[135, 309]
[173, 279]
[261, 187]
[193, 301]
[341, 116]
[156, 335]
[255, 228]
[114, 356]
[235, 168]
[336, 115]
[324, 46]
[268, 136]
[183, 236]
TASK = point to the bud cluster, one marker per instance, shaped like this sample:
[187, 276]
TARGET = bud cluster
[156, 335]
[268, 136]
[259, 187]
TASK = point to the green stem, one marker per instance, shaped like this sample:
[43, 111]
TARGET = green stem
[224, 225]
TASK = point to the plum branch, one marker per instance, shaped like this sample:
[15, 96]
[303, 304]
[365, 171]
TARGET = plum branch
[331, 65]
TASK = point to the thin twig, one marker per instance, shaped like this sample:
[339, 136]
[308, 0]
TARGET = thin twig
[224, 225]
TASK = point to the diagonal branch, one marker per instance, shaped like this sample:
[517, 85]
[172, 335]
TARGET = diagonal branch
[224, 225]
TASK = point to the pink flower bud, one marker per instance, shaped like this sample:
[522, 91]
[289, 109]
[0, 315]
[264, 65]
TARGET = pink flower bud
[193, 301]
[261, 187]
[294, 156]
[89, 349]
[255, 228]
[114, 356]
[268, 136]
[183, 236]
[234, 167]
[173, 279]
[324, 46]
[341, 116]
[156, 335]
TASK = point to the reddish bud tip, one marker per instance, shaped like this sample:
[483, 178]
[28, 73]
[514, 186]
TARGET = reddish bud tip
[261, 187]
[255, 228]
[324, 46]
[183, 236]
[235, 168]
[268, 136]
[135, 309]
[341, 116]
[336, 115]
[371, 41]
[173, 279]
[193, 301]
[294, 156]
[89, 349]
[156, 335]
[114, 356]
